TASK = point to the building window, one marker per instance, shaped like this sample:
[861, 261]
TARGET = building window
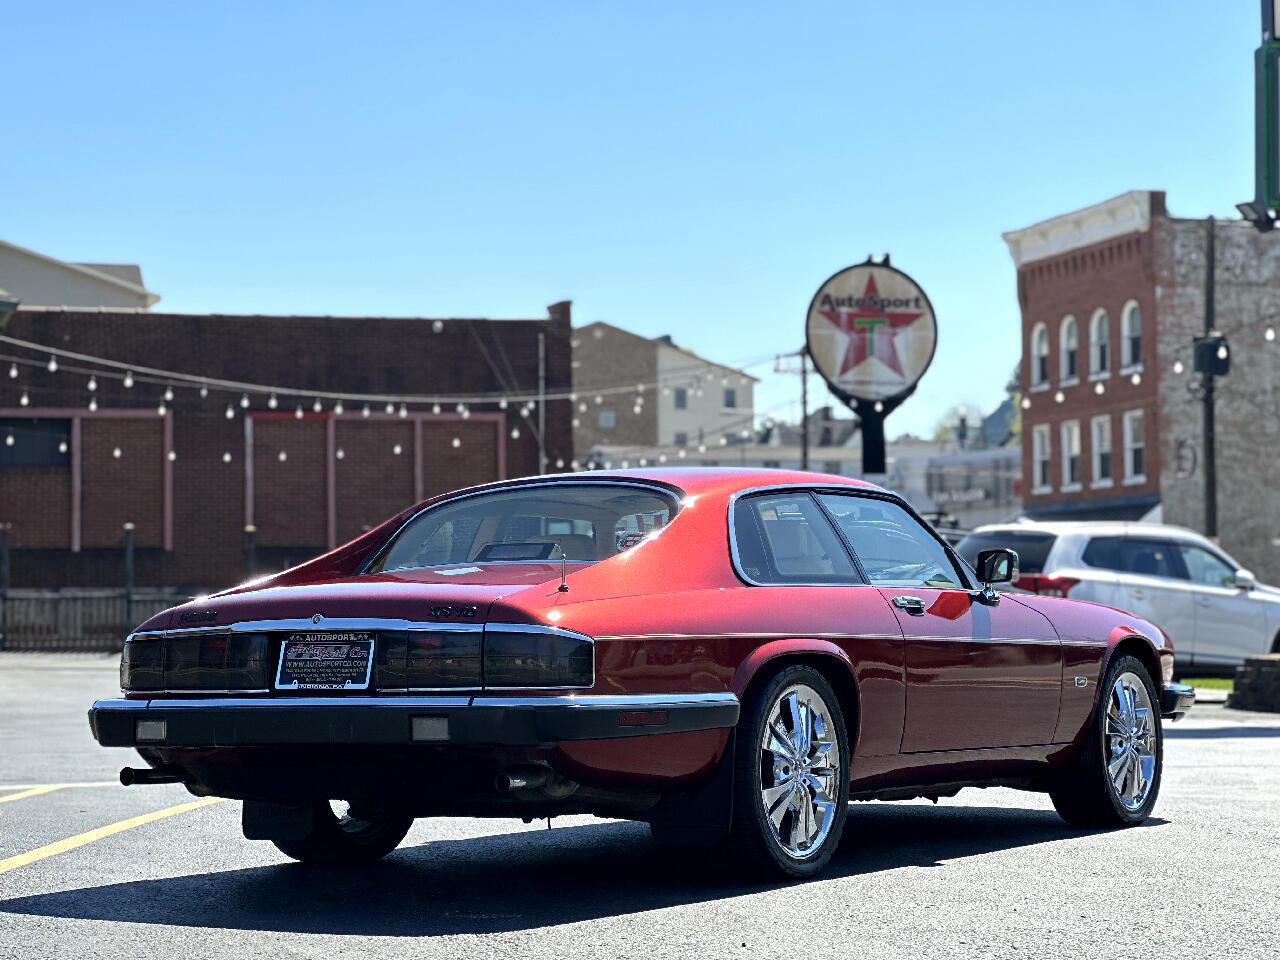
[682, 398]
[682, 438]
[29, 442]
[730, 398]
[1040, 357]
[1068, 356]
[1071, 455]
[1130, 338]
[1135, 465]
[606, 419]
[1040, 463]
[1100, 445]
[1100, 345]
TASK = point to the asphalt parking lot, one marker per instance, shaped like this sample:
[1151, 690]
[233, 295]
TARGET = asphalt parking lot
[92, 869]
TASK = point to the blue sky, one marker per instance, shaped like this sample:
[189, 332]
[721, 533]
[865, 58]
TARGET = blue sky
[692, 169]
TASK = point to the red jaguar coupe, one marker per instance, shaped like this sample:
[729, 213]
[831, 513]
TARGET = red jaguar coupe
[729, 655]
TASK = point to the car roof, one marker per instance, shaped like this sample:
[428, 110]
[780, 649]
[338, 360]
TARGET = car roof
[1097, 528]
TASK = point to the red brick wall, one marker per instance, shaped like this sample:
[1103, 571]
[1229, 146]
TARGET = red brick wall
[332, 354]
[1105, 275]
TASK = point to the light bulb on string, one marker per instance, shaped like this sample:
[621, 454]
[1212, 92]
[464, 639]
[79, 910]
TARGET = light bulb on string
[162, 409]
[24, 400]
[272, 402]
[559, 463]
[52, 365]
[435, 408]
[390, 408]
[117, 453]
[9, 439]
[339, 453]
[1177, 366]
[231, 412]
[168, 394]
[13, 371]
[204, 391]
[1269, 336]
[502, 404]
[466, 413]
[93, 404]
[397, 449]
[337, 408]
[457, 442]
[317, 406]
[226, 457]
[172, 456]
[515, 433]
[128, 380]
[244, 401]
[92, 384]
[297, 414]
[282, 456]
[364, 411]
[404, 411]
[680, 453]
[62, 447]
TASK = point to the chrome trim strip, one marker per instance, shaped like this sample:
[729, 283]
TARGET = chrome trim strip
[306, 625]
[579, 702]
[675, 493]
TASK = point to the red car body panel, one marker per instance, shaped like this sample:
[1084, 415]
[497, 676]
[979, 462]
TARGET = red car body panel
[965, 693]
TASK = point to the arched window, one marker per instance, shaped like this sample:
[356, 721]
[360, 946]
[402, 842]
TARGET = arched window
[1100, 343]
[1040, 356]
[1130, 336]
[1069, 349]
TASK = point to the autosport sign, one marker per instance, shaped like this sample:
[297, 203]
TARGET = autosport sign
[871, 333]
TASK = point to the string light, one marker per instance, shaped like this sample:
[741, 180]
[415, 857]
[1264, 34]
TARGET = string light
[282, 456]
[52, 365]
[92, 384]
[662, 458]
[226, 457]
[204, 391]
[337, 408]
[1136, 379]
[1059, 397]
[231, 412]
[117, 453]
[466, 412]
[317, 406]
[1026, 403]
[681, 453]
[1269, 336]
[457, 442]
[390, 408]
[435, 408]
[515, 433]
[559, 463]
[599, 399]
[404, 411]
[644, 462]
[502, 404]
[93, 404]
[62, 446]
[1177, 366]
[364, 411]
[702, 448]
[1099, 389]
[272, 402]
[397, 449]
[339, 453]
[9, 440]
[162, 409]
[297, 414]
[13, 371]
[437, 326]
[172, 456]
[244, 401]
[128, 382]
[574, 465]
[168, 394]
[24, 400]
[879, 407]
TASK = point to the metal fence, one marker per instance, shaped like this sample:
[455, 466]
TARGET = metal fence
[76, 620]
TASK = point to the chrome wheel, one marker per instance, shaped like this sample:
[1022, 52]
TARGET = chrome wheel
[800, 770]
[1130, 739]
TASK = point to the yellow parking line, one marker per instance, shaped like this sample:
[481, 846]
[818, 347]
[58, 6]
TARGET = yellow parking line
[80, 839]
[31, 792]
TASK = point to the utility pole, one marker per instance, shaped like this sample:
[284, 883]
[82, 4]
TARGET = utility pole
[1261, 210]
[804, 408]
[1210, 462]
[542, 402]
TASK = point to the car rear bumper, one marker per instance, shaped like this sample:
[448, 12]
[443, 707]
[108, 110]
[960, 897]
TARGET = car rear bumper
[1176, 699]
[405, 720]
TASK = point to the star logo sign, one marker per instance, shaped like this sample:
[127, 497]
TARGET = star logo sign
[871, 330]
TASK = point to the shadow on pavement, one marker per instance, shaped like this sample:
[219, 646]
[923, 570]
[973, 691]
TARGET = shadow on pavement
[525, 880]
[1219, 733]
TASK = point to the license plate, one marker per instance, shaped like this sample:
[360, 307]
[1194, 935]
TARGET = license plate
[325, 661]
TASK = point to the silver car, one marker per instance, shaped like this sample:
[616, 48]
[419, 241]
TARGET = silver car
[1213, 609]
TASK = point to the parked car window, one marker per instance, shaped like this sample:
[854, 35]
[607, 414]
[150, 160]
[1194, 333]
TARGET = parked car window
[786, 538]
[1205, 567]
[892, 546]
[1032, 548]
[1148, 558]
[586, 521]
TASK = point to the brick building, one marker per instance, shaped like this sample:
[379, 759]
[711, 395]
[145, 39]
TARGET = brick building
[1111, 298]
[192, 472]
[636, 391]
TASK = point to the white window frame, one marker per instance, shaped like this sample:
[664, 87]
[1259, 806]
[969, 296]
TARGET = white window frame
[680, 398]
[1097, 427]
[1100, 321]
[1068, 326]
[613, 420]
[1038, 332]
[1130, 416]
[1130, 309]
[1069, 433]
[1040, 453]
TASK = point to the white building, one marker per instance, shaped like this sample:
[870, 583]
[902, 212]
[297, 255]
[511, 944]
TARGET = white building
[37, 280]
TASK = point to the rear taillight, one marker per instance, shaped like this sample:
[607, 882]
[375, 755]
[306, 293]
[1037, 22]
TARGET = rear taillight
[212, 661]
[527, 657]
[1046, 585]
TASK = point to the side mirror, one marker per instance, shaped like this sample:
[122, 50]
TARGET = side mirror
[1245, 580]
[998, 566]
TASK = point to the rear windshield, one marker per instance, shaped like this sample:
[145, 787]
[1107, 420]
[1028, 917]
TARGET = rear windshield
[584, 522]
[1032, 548]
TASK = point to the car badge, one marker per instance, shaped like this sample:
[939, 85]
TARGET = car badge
[317, 617]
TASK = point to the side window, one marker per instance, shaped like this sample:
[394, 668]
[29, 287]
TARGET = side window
[1149, 558]
[1207, 568]
[892, 546]
[786, 538]
[1103, 552]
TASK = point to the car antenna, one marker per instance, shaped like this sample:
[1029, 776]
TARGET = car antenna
[563, 588]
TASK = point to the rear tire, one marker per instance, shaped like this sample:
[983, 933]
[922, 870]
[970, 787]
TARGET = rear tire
[791, 776]
[1115, 779]
[345, 840]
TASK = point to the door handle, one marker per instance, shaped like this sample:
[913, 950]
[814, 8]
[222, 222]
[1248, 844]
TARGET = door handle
[913, 605]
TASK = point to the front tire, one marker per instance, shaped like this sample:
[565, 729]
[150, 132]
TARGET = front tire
[1116, 777]
[791, 777]
[345, 840]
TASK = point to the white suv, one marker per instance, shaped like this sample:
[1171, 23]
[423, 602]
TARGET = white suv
[1215, 612]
